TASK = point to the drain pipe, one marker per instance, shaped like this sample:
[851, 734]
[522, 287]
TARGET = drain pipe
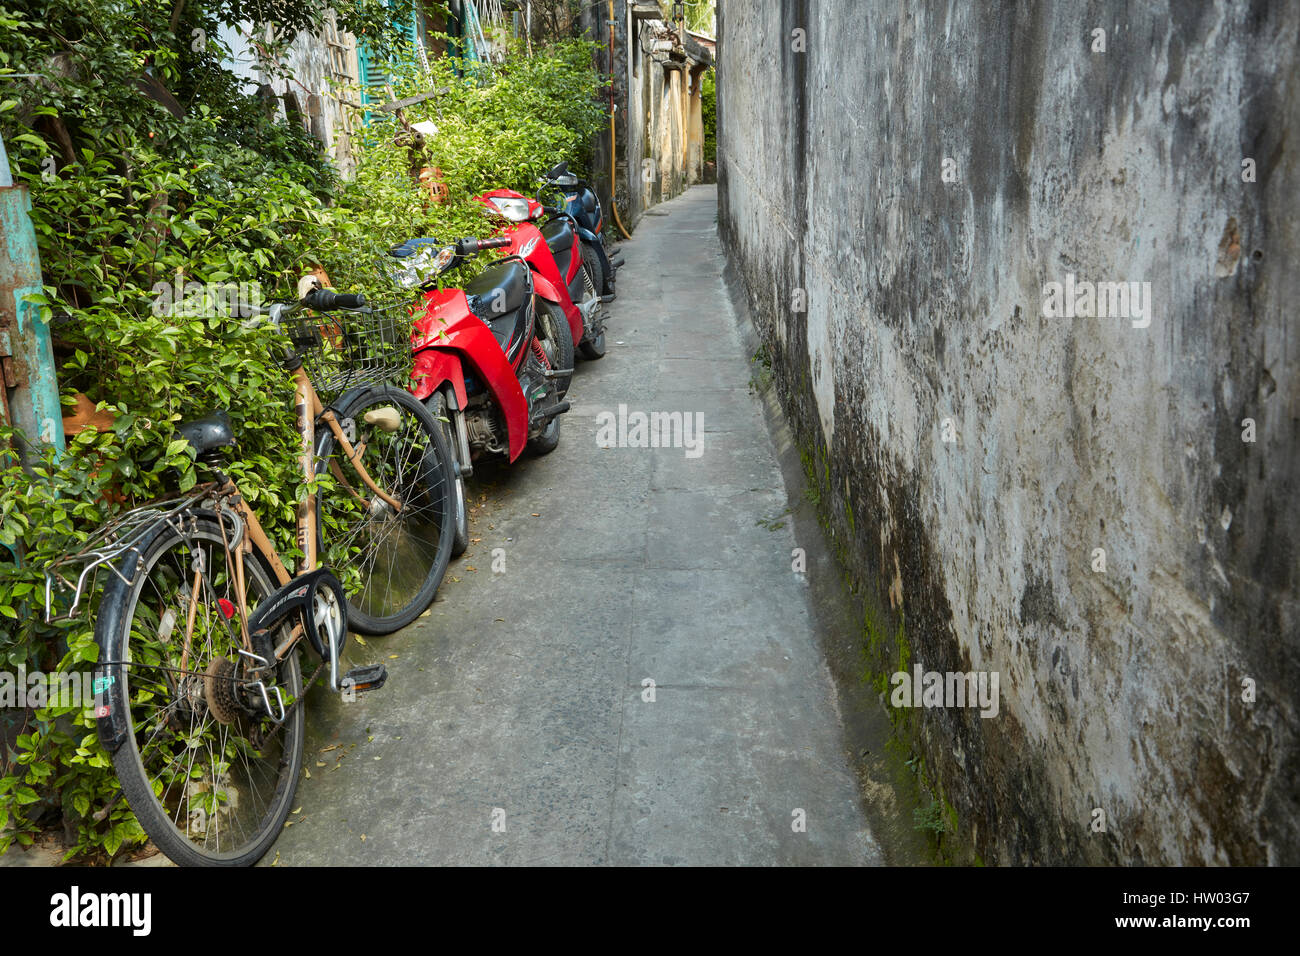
[613, 204]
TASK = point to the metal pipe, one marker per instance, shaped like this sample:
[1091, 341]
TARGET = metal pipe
[29, 381]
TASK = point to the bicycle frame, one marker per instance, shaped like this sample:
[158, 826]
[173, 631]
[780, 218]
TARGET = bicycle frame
[309, 411]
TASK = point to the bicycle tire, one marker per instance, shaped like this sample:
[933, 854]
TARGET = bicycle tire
[413, 545]
[437, 406]
[129, 629]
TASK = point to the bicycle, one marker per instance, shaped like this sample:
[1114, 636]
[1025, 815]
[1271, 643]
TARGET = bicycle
[199, 686]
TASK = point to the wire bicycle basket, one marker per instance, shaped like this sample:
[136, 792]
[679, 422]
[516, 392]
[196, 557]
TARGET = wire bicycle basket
[346, 349]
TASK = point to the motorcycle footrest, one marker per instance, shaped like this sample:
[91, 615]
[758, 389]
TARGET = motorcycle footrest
[608, 298]
[361, 679]
[557, 372]
[543, 414]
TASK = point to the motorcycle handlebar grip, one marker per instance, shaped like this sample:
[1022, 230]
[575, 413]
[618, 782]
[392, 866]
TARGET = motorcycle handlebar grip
[323, 300]
[470, 246]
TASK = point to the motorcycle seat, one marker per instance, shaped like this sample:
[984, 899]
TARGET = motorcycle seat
[500, 289]
[559, 235]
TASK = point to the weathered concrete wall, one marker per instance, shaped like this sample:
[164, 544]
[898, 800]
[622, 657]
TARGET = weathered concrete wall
[1120, 690]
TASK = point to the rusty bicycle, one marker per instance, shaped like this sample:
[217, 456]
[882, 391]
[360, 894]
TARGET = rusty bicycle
[201, 626]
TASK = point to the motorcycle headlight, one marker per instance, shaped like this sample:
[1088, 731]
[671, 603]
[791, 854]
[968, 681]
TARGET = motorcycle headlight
[406, 275]
[421, 267]
[516, 210]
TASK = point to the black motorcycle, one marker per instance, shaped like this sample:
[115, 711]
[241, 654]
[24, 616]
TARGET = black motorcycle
[580, 202]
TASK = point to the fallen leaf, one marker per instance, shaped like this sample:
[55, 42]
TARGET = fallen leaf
[363, 838]
[470, 567]
[358, 639]
[326, 750]
[320, 763]
[502, 619]
[392, 657]
[307, 772]
[536, 515]
[298, 811]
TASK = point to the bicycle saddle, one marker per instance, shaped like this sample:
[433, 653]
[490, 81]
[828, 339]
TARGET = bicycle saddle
[208, 433]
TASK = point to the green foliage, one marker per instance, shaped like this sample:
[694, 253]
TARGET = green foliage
[133, 194]
[930, 818]
[700, 15]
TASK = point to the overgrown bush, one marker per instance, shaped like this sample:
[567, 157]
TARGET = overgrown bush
[199, 183]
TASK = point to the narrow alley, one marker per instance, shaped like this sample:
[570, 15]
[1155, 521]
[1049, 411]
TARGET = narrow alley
[517, 726]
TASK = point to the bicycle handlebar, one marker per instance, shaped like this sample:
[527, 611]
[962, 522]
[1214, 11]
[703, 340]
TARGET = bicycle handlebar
[323, 300]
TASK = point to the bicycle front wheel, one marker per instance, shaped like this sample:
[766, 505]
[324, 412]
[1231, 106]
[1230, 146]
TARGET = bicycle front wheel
[390, 549]
[206, 766]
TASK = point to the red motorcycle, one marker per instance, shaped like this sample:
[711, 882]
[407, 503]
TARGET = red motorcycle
[486, 364]
[566, 272]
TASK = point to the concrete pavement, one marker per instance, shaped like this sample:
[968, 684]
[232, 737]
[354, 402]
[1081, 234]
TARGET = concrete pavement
[516, 727]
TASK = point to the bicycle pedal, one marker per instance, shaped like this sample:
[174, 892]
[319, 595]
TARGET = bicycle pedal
[361, 679]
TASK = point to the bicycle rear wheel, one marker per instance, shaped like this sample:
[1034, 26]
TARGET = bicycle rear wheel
[390, 559]
[206, 769]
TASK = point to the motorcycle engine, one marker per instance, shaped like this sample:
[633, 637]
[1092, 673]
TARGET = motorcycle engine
[484, 430]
